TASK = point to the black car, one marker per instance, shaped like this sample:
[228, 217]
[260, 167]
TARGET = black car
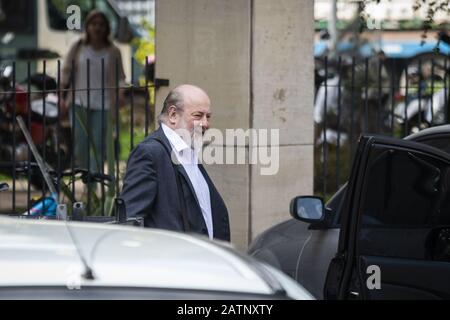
[391, 221]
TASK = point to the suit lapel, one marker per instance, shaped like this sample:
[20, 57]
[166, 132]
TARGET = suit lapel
[161, 137]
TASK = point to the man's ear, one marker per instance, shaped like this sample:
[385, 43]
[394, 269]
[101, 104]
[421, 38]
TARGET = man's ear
[172, 115]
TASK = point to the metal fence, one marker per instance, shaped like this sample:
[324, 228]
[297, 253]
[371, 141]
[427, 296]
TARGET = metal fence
[392, 97]
[37, 99]
[352, 96]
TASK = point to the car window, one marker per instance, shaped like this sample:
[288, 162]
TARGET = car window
[441, 142]
[334, 205]
[406, 200]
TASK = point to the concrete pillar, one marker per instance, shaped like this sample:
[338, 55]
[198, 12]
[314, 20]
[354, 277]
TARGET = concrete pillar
[255, 60]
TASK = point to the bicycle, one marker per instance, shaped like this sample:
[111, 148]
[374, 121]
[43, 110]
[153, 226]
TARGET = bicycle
[46, 205]
[47, 208]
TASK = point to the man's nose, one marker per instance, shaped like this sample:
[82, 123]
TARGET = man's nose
[205, 123]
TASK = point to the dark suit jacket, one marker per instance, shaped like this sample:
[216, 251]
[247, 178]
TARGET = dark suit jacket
[150, 190]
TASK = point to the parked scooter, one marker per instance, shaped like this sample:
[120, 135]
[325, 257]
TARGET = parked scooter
[42, 111]
[425, 101]
[343, 106]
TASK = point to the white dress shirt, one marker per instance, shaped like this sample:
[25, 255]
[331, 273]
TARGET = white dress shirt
[189, 160]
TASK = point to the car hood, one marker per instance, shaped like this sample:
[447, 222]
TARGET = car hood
[42, 253]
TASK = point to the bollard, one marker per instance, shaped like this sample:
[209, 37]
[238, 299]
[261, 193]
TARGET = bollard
[61, 212]
[79, 211]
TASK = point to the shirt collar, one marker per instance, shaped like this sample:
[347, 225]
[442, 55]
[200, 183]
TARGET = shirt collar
[175, 140]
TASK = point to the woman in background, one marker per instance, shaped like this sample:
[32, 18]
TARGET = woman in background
[92, 105]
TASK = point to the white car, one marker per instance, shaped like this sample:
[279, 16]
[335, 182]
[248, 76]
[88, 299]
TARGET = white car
[59, 260]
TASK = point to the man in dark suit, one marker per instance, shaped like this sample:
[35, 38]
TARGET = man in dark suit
[164, 182]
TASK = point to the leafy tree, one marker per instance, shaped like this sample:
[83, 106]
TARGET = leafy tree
[145, 45]
[433, 7]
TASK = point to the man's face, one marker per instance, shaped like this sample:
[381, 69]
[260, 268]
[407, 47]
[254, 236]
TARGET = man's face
[196, 115]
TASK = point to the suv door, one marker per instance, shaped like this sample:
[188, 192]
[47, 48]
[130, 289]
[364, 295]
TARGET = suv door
[395, 237]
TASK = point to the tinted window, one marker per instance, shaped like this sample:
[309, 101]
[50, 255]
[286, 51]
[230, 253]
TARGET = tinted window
[16, 16]
[442, 143]
[406, 199]
[335, 203]
[334, 207]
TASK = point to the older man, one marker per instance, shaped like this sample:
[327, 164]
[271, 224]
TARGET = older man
[164, 182]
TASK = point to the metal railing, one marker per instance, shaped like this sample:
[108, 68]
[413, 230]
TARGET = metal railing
[38, 99]
[392, 97]
[353, 96]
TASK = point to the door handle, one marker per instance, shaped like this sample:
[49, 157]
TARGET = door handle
[354, 293]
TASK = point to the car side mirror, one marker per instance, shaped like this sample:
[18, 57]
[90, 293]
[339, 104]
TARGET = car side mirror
[308, 209]
[124, 31]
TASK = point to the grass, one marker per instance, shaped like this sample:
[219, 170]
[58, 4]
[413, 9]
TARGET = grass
[125, 131]
[125, 141]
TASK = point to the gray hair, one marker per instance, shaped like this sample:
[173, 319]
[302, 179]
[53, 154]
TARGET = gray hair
[174, 98]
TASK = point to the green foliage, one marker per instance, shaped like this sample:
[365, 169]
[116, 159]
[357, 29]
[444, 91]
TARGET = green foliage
[125, 141]
[432, 7]
[96, 203]
[145, 45]
[145, 49]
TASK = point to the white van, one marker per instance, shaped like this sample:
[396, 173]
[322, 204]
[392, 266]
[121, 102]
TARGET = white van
[30, 28]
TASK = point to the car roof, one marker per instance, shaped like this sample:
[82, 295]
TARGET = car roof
[443, 129]
[42, 253]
